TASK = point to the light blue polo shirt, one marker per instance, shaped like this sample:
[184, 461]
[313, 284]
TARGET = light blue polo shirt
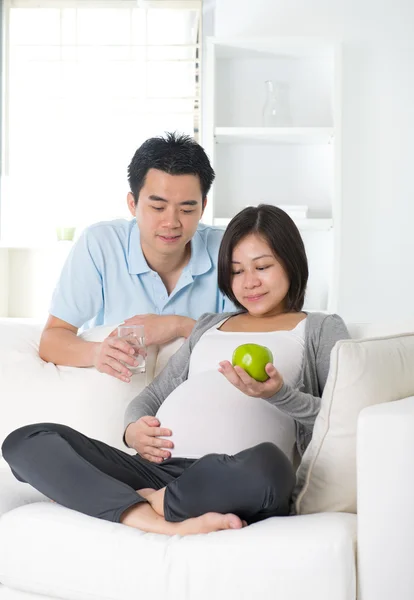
[106, 278]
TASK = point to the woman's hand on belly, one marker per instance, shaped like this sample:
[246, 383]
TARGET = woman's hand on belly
[249, 386]
[143, 436]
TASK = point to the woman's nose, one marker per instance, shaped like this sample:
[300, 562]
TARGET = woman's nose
[251, 280]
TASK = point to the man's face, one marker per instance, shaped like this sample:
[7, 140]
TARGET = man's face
[168, 211]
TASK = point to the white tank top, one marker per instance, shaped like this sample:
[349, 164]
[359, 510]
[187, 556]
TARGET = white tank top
[207, 414]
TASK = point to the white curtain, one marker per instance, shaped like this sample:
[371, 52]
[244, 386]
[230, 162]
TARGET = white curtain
[86, 83]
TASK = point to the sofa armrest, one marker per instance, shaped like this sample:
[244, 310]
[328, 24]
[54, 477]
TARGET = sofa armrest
[385, 484]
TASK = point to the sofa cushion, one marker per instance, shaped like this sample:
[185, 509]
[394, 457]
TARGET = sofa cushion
[362, 373]
[33, 391]
[7, 593]
[13, 493]
[165, 352]
[51, 550]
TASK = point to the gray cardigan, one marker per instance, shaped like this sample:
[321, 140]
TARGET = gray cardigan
[322, 331]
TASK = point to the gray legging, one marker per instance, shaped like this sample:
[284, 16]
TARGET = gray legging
[89, 476]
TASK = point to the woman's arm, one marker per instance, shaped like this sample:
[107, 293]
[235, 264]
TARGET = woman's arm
[332, 330]
[151, 398]
[174, 373]
[301, 406]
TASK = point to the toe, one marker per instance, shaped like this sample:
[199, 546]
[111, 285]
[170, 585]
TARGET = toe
[233, 521]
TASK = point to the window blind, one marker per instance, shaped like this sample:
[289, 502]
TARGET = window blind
[85, 83]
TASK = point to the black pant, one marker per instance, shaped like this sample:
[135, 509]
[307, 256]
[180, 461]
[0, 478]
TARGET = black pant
[89, 476]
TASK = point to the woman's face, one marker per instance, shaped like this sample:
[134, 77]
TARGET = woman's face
[260, 282]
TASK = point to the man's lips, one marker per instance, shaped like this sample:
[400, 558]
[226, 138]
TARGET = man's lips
[169, 238]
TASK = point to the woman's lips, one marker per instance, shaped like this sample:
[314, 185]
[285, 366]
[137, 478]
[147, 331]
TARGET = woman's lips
[254, 298]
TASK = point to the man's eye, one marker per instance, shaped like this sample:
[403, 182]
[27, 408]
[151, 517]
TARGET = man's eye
[188, 212]
[157, 208]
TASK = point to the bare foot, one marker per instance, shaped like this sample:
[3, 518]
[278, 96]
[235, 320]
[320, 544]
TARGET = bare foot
[210, 522]
[145, 492]
[156, 499]
[142, 516]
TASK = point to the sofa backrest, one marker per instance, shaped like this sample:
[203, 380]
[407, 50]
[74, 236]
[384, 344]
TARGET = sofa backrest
[94, 403]
[32, 391]
[370, 330]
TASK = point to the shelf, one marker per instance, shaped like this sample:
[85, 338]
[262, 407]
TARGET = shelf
[274, 135]
[40, 245]
[302, 224]
[302, 161]
[273, 47]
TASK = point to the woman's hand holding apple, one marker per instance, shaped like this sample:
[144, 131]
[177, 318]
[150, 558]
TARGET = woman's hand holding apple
[249, 386]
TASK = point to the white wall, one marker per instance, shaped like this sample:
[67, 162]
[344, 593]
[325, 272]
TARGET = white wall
[377, 248]
[4, 282]
[27, 279]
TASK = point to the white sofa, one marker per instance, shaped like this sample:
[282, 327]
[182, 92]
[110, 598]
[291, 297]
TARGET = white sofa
[48, 550]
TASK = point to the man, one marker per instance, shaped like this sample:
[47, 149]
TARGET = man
[158, 270]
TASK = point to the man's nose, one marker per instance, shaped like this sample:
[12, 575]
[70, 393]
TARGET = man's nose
[171, 218]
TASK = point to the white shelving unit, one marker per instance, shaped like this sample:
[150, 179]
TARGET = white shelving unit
[298, 164]
[302, 224]
[274, 135]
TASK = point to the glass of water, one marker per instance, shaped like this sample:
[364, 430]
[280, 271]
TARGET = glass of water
[134, 335]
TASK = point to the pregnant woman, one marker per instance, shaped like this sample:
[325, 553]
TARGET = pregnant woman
[235, 441]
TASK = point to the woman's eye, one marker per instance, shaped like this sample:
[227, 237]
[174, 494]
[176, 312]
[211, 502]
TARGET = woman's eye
[236, 272]
[263, 268]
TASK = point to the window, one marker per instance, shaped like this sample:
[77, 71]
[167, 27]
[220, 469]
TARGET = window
[85, 83]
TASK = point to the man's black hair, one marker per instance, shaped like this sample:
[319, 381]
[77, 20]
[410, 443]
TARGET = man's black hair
[175, 154]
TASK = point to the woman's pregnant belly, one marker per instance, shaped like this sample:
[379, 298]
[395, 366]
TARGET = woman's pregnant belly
[207, 414]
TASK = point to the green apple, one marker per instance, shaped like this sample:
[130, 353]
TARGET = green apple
[253, 358]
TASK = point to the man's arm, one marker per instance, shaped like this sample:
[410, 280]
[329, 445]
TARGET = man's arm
[77, 298]
[161, 329]
[185, 326]
[61, 345]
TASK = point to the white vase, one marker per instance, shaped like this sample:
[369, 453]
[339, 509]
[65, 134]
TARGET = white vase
[276, 109]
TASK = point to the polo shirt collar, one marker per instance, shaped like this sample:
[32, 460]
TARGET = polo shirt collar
[200, 261]
[136, 259]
